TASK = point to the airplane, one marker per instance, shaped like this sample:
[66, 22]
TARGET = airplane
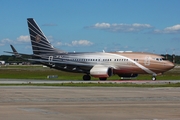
[100, 65]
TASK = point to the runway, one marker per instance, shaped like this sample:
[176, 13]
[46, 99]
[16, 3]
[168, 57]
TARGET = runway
[26, 81]
[88, 103]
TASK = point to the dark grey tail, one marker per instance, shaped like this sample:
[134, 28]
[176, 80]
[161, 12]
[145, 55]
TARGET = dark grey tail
[15, 51]
[40, 44]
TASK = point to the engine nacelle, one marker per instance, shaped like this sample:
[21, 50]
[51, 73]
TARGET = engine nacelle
[128, 75]
[100, 71]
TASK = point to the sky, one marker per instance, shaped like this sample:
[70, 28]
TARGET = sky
[93, 25]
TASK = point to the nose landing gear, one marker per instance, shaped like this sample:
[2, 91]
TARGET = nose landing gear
[154, 77]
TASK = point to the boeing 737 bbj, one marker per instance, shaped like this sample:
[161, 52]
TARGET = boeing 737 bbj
[94, 64]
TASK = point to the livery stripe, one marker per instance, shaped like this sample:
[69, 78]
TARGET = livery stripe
[139, 65]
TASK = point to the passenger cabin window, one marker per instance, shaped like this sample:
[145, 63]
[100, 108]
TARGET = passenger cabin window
[135, 59]
[119, 59]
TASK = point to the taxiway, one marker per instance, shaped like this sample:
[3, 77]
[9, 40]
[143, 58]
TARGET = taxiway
[88, 103]
[26, 81]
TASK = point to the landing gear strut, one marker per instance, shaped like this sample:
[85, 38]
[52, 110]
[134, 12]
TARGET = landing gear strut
[86, 77]
[154, 77]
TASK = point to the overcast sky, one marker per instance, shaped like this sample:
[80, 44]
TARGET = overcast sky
[93, 25]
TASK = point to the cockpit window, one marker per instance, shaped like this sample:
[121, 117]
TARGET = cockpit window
[159, 59]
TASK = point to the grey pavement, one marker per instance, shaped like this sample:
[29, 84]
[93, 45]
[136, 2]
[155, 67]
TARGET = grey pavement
[89, 103]
[26, 81]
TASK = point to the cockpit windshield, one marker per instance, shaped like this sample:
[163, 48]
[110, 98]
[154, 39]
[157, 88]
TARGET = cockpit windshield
[164, 59]
[159, 59]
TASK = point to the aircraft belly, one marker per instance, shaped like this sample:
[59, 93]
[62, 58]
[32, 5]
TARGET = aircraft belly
[128, 69]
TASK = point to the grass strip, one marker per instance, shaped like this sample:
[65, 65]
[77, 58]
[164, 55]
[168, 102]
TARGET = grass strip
[41, 73]
[95, 84]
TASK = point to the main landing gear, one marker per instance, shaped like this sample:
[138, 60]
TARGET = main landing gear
[86, 77]
[103, 79]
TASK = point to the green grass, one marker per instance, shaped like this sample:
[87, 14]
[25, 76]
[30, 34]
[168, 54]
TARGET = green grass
[39, 72]
[34, 72]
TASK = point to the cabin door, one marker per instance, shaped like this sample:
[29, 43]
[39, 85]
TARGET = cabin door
[147, 61]
[50, 59]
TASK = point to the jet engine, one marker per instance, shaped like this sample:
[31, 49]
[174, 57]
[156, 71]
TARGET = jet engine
[100, 71]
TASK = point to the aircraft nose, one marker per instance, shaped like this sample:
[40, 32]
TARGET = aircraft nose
[170, 65]
[173, 65]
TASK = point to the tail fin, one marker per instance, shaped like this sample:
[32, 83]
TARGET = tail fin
[15, 51]
[40, 44]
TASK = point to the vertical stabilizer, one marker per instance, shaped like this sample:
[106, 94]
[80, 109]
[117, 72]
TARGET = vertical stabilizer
[15, 51]
[40, 44]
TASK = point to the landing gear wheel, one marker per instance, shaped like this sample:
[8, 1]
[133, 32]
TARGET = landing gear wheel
[103, 79]
[86, 77]
[154, 78]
